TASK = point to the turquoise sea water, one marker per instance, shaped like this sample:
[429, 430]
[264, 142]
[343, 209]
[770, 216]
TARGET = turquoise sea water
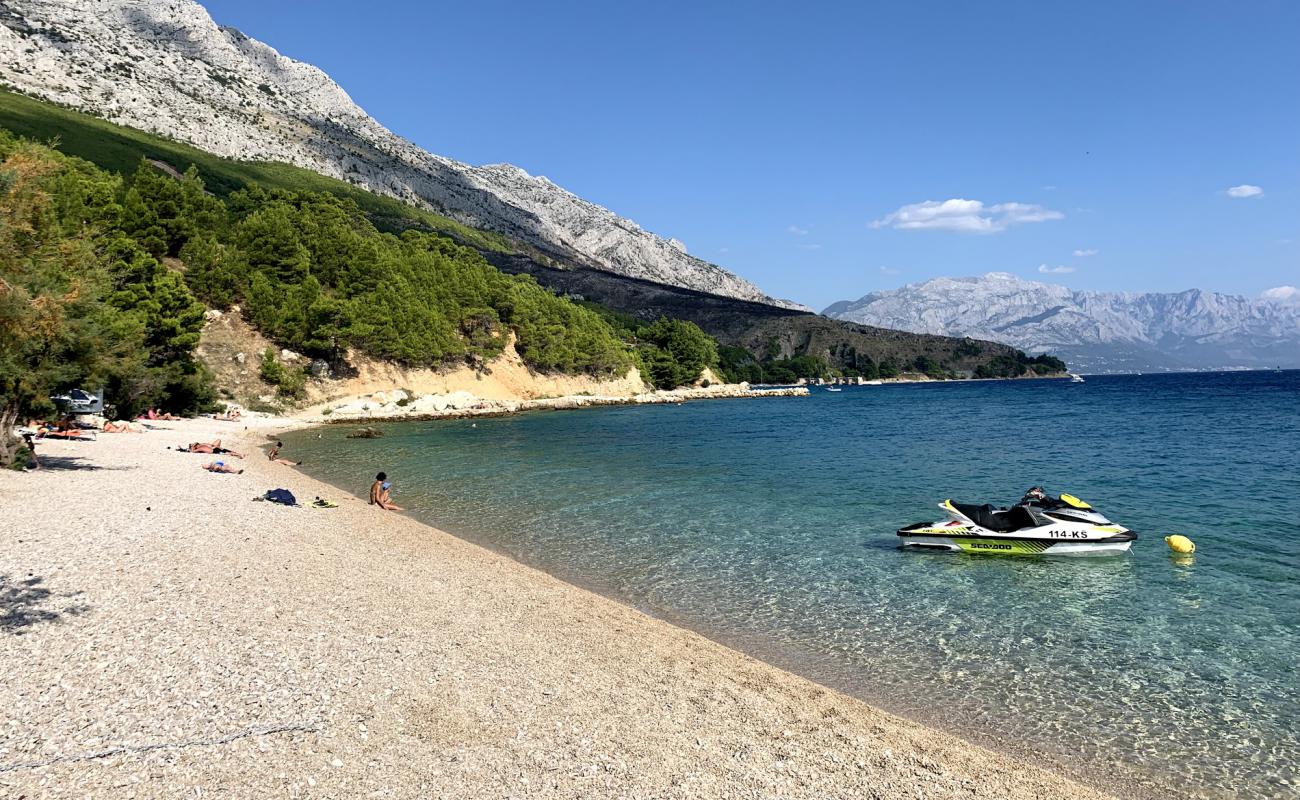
[769, 525]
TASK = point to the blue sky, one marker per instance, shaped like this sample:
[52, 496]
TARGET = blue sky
[811, 147]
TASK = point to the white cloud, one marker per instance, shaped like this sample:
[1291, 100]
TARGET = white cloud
[724, 249]
[811, 246]
[1245, 190]
[888, 270]
[1282, 294]
[1059, 270]
[1084, 253]
[965, 216]
[797, 231]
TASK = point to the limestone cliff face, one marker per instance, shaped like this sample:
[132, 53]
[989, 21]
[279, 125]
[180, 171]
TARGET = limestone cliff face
[166, 67]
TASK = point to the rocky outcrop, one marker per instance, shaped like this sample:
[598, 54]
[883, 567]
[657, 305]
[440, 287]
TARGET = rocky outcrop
[1092, 330]
[166, 67]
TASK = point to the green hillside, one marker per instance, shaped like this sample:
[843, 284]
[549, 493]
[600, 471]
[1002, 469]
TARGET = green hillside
[259, 201]
[108, 263]
[119, 149]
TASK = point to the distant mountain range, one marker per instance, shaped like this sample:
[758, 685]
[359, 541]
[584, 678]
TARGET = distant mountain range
[1094, 331]
[164, 66]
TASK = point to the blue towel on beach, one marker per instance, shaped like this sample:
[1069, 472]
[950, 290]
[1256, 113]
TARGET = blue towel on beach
[281, 496]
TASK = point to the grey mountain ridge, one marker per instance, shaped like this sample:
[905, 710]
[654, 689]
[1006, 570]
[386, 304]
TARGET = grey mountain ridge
[164, 66]
[1096, 331]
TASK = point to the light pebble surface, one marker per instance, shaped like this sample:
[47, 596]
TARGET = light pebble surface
[166, 636]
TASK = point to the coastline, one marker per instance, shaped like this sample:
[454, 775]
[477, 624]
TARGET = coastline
[396, 405]
[413, 662]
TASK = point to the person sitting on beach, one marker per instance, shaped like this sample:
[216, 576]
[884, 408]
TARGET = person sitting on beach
[380, 493]
[274, 456]
[231, 415]
[213, 447]
[121, 426]
[152, 414]
[223, 467]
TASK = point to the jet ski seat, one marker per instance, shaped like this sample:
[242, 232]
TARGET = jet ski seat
[997, 519]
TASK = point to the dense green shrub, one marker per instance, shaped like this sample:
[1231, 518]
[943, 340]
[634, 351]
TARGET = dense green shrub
[1018, 365]
[670, 352]
[738, 364]
[289, 382]
[316, 276]
[85, 303]
[676, 352]
[313, 274]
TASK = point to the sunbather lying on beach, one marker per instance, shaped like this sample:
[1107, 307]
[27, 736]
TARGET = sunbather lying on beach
[221, 466]
[152, 414]
[380, 493]
[274, 455]
[63, 427]
[51, 433]
[213, 447]
[230, 415]
[121, 426]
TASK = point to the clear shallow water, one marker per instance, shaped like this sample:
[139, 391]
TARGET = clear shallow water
[769, 524]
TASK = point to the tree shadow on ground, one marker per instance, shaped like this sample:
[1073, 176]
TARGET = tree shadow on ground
[26, 602]
[76, 463]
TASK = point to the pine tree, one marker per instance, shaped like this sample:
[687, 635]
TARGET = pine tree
[271, 245]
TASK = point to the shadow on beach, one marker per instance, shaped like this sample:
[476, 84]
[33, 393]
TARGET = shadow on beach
[26, 602]
[70, 463]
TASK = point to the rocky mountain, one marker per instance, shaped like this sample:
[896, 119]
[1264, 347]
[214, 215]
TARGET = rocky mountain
[1094, 331]
[164, 66]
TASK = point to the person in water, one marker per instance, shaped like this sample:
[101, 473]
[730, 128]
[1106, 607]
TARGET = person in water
[381, 493]
[274, 456]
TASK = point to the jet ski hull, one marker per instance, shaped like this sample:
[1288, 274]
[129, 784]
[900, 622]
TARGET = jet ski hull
[1070, 533]
[999, 546]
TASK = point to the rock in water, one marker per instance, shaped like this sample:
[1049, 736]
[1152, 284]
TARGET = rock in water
[365, 433]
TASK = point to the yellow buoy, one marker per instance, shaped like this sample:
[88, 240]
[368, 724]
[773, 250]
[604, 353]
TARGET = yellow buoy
[1180, 544]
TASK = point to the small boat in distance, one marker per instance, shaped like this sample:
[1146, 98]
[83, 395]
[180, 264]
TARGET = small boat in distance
[1076, 378]
[834, 389]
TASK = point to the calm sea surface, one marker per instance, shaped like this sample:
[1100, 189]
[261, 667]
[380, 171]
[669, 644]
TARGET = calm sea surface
[769, 525]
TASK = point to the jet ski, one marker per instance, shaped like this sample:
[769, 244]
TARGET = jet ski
[1045, 527]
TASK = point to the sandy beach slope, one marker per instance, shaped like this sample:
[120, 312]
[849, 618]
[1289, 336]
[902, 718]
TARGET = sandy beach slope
[165, 636]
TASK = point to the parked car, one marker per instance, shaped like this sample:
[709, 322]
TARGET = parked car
[79, 401]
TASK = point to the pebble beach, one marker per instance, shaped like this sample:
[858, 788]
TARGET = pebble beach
[162, 634]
